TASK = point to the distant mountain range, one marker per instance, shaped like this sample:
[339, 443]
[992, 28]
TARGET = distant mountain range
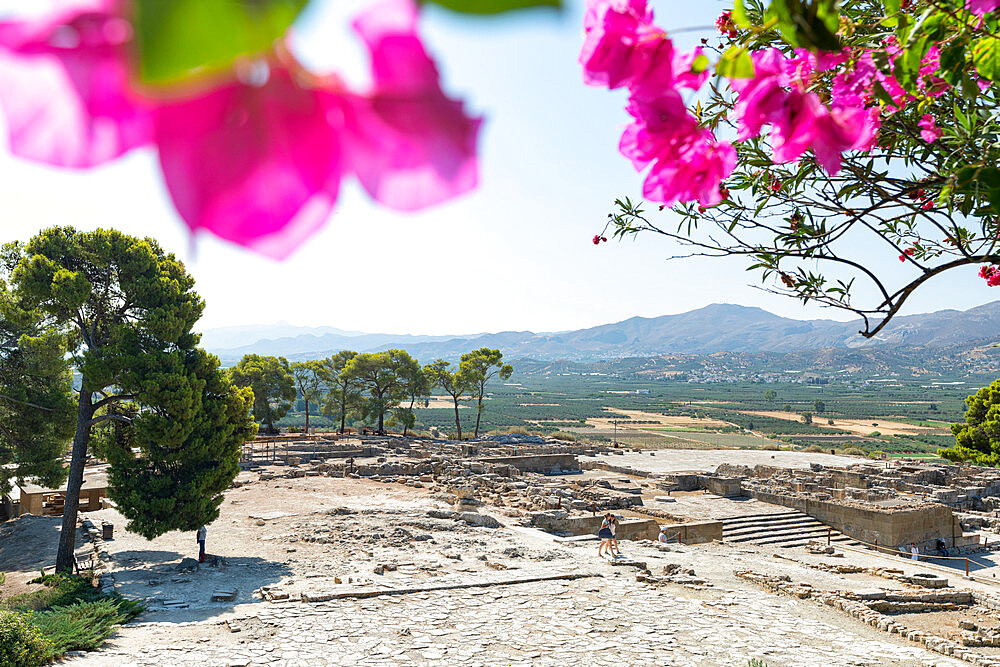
[712, 329]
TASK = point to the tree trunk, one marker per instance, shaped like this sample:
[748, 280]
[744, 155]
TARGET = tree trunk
[479, 414]
[458, 424]
[307, 417]
[67, 536]
[343, 409]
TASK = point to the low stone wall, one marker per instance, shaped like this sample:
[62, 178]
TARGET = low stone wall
[889, 527]
[543, 463]
[696, 532]
[629, 529]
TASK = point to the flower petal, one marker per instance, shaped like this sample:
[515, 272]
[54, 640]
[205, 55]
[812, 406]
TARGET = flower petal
[256, 165]
[409, 144]
[64, 86]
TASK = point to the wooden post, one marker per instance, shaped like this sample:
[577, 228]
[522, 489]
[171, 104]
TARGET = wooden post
[966, 567]
[829, 535]
[876, 545]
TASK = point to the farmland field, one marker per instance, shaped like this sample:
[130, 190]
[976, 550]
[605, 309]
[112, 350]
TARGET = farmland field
[899, 418]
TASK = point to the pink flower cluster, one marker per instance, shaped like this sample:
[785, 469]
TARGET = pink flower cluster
[991, 274]
[256, 158]
[624, 48]
[778, 96]
[981, 7]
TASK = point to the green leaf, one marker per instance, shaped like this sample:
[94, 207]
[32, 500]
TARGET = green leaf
[740, 17]
[986, 57]
[735, 63]
[491, 6]
[181, 38]
[810, 24]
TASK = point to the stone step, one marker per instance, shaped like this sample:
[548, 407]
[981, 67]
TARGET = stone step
[750, 518]
[747, 528]
[812, 531]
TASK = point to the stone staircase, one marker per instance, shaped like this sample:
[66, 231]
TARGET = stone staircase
[784, 528]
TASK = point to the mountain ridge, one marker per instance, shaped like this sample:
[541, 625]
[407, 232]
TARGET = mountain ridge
[711, 329]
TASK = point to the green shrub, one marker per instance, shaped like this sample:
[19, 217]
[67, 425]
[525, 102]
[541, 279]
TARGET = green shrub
[854, 451]
[60, 590]
[70, 613]
[771, 447]
[813, 449]
[21, 643]
[83, 626]
[563, 435]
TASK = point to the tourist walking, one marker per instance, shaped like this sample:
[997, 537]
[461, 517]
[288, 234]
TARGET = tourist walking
[605, 534]
[613, 525]
[202, 535]
[914, 552]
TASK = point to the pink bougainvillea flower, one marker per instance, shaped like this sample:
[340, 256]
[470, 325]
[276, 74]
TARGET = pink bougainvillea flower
[689, 70]
[991, 274]
[981, 7]
[258, 159]
[409, 145]
[686, 162]
[254, 163]
[660, 124]
[929, 131]
[763, 98]
[794, 126]
[837, 131]
[64, 85]
[693, 173]
[622, 46]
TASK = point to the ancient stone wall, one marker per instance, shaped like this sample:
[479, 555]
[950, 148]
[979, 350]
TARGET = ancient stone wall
[891, 527]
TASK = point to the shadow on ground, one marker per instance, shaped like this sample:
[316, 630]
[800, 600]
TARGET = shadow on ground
[176, 588]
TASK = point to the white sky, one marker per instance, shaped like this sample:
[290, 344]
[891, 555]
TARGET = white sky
[514, 255]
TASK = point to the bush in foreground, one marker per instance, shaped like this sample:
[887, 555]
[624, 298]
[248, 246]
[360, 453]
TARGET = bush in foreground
[21, 643]
[69, 614]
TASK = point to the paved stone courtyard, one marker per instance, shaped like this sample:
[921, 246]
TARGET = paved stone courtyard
[600, 621]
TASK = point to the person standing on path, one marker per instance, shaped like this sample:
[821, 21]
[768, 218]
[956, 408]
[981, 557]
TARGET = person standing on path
[914, 552]
[613, 526]
[202, 535]
[605, 534]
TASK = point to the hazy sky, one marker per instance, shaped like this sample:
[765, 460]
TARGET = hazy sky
[515, 254]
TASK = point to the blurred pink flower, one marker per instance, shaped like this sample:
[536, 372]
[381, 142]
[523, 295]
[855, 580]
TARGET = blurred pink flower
[64, 86]
[683, 73]
[256, 160]
[258, 165]
[623, 47]
[982, 6]
[409, 145]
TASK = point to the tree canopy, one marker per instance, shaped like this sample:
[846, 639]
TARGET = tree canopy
[978, 439]
[343, 390]
[36, 406]
[310, 380]
[385, 378]
[481, 366]
[455, 383]
[126, 309]
[273, 386]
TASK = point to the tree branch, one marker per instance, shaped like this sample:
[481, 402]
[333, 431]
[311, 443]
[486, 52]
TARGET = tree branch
[103, 418]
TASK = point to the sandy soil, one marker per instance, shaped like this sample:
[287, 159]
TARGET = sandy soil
[859, 426]
[28, 544]
[662, 420]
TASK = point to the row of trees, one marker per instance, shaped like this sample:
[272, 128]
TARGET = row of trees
[366, 386]
[118, 311]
